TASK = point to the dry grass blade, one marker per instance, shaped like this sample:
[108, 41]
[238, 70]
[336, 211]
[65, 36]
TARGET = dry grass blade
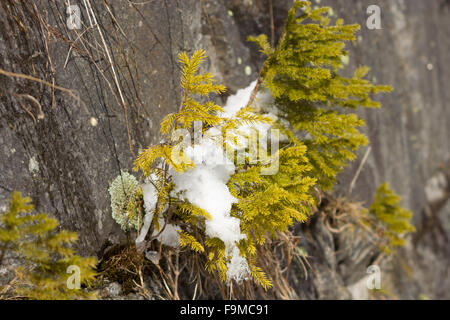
[31, 78]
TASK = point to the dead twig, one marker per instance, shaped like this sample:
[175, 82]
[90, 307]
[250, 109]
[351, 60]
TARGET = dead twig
[54, 86]
[363, 161]
[272, 24]
[113, 70]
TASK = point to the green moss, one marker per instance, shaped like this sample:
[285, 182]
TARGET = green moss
[396, 221]
[45, 255]
[303, 74]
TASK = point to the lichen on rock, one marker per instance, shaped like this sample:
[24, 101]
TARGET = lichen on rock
[125, 191]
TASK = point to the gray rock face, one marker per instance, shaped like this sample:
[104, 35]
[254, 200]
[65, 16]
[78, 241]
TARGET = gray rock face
[124, 72]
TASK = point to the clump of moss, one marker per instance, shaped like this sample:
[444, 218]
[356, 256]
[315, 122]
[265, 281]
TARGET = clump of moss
[126, 199]
[46, 258]
[303, 74]
[395, 219]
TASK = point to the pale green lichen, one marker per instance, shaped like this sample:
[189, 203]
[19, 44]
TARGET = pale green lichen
[345, 60]
[248, 70]
[125, 192]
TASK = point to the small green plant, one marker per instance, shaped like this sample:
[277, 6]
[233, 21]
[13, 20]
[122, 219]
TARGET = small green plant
[314, 104]
[394, 219]
[303, 74]
[161, 163]
[44, 254]
[423, 296]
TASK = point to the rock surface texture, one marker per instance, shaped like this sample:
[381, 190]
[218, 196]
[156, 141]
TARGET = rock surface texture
[63, 148]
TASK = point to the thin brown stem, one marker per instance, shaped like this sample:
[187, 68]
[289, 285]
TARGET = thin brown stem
[3, 252]
[358, 171]
[272, 24]
[24, 76]
[255, 90]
